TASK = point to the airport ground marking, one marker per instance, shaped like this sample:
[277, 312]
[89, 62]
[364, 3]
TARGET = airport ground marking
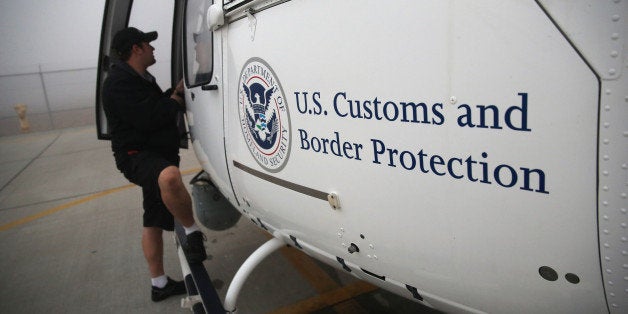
[330, 293]
[335, 297]
[79, 201]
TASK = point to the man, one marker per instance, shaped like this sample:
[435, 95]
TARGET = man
[145, 142]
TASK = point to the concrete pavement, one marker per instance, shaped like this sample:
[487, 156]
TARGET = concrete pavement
[70, 228]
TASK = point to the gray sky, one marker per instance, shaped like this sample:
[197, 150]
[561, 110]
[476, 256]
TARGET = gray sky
[65, 34]
[54, 33]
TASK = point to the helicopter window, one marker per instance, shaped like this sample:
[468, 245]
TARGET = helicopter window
[198, 43]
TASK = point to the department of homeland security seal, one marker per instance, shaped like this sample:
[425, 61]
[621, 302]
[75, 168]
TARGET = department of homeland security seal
[264, 116]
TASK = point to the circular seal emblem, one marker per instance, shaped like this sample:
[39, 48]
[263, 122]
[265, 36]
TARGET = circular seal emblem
[264, 115]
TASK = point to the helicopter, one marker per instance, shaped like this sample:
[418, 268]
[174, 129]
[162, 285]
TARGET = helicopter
[467, 155]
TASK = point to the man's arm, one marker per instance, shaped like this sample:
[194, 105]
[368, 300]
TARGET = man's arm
[145, 111]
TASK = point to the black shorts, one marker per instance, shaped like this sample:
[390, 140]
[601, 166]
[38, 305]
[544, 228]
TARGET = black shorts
[143, 168]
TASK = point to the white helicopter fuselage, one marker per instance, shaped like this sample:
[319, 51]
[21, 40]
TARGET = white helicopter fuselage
[469, 155]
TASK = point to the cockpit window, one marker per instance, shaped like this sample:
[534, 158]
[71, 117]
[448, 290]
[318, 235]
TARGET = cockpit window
[198, 43]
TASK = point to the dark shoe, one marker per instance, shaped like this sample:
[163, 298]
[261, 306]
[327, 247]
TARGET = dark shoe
[194, 247]
[171, 288]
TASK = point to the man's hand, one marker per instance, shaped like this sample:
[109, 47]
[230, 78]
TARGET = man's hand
[177, 94]
[179, 88]
[178, 98]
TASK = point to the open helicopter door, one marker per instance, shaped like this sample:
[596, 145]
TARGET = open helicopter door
[168, 70]
[115, 18]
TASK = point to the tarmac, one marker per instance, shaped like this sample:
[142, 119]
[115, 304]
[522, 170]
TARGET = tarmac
[70, 231]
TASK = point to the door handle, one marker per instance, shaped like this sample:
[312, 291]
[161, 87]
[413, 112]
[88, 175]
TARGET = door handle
[209, 87]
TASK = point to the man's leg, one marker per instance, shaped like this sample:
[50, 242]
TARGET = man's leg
[175, 196]
[178, 201]
[141, 170]
[153, 247]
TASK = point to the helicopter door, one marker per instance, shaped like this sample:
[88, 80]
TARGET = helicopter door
[204, 99]
[146, 15]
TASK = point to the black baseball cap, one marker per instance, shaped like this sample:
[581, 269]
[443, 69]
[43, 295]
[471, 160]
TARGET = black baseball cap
[124, 39]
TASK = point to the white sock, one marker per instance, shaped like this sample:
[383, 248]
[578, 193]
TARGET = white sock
[160, 281]
[191, 229]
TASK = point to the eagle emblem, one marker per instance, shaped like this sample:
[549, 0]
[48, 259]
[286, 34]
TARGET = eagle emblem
[264, 116]
[262, 122]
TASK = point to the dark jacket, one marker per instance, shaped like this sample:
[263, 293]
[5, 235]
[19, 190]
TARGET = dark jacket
[140, 115]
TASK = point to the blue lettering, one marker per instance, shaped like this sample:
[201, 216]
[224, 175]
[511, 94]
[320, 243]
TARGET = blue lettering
[498, 177]
[524, 114]
[304, 143]
[437, 161]
[344, 96]
[505, 175]
[450, 168]
[377, 151]
[334, 145]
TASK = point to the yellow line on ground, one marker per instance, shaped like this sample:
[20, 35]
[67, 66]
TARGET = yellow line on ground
[322, 283]
[79, 201]
[330, 293]
[305, 265]
[323, 300]
[190, 171]
[62, 207]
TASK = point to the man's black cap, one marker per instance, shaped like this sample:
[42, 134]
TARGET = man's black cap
[124, 39]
